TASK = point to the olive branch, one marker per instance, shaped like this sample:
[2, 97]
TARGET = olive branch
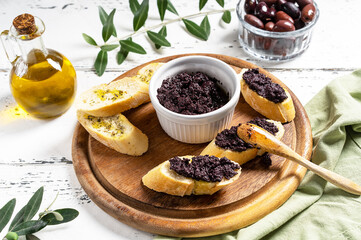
[23, 225]
[125, 44]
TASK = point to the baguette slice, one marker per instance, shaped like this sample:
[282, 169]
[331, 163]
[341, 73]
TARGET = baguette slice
[115, 132]
[109, 99]
[239, 157]
[163, 179]
[146, 73]
[283, 112]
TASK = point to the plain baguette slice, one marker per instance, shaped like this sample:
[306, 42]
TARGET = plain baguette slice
[115, 132]
[163, 179]
[113, 98]
[239, 157]
[283, 112]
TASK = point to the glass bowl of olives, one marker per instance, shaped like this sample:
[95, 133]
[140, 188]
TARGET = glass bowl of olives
[276, 29]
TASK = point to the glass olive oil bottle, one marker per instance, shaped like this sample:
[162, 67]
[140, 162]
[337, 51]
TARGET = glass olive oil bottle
[42, 80]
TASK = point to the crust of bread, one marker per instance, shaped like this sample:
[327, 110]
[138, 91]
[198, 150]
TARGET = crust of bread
[283, 112]
[130, 141]
[97, 102]
[163, 179]
[239, 157]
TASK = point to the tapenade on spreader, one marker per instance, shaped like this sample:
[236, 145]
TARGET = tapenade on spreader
[198, 175]
[228, 144]
[267, 97]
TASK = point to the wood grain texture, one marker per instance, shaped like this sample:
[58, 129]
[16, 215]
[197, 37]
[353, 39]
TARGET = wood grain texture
[113, 180]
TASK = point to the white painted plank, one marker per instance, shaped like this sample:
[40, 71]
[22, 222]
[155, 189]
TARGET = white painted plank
[20, 181]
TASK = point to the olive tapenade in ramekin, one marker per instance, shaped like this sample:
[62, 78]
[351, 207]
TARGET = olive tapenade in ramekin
[197, 98]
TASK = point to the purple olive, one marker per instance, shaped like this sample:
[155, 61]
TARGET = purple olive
[269, 2]
[283, 26]
[263, 12]
[250, 6]
[303, 3]
[281, 15]
[299, 24]
[292, 10]
[272, 12]
[254, 21]
[279, 4]
[269, 26]
[308, 13]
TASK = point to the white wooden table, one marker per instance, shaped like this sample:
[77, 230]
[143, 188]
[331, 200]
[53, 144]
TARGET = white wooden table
[36, 153]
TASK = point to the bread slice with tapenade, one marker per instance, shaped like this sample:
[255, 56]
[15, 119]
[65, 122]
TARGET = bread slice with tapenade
[198, 175]
[118, 96]
[267, 97]
[115, 132]
[228, 144]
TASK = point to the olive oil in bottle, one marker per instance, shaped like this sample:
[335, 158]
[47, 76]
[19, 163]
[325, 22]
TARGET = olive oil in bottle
[42, 81]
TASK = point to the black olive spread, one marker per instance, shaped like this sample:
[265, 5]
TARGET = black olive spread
[206, 168]
[266, 125]
[191, 93]
[228, 138]
[264, 86]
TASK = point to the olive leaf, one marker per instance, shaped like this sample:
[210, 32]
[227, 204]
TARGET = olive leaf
[226, 16]
[29, 227]
[5, 213]
[171, 8]
[108, 28]
[134, 6]
[220, 2]
[67, 214]
[104, 17]
[19, 218]
[206, 26]
[31, 237]
[158, 38]
[89, 39]
[141, 15]
[202, 3]
[163, 32]
[162, 7]
[122, 55]
[196, 30]
[33, 205]
[101, 62]
[109, 47]
[131, 46]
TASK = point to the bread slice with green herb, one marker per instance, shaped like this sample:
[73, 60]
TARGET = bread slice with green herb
[113, 98]
[146, 73]
[228, 144]
[164, 179]
[115, 132]
[118, 96]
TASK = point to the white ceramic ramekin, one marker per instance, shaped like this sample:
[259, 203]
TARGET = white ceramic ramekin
[203, 127]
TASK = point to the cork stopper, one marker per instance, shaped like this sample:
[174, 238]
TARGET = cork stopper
[25, 24]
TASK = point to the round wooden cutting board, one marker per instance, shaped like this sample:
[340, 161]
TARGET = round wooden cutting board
[113, 180]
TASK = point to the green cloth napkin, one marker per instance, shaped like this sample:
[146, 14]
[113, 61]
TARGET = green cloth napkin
[318, 209]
